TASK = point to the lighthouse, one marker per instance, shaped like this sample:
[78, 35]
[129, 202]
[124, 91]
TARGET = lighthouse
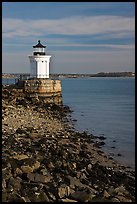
[39, 62]
[39, 87]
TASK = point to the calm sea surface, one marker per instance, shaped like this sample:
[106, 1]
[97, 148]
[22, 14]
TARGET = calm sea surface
[104, 106]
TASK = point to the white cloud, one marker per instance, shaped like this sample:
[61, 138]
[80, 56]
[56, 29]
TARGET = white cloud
[58, 44]
[80, 61]
[128, 46]
[76, 25]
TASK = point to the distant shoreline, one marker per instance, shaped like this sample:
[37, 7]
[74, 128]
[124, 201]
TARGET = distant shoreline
[101, 74]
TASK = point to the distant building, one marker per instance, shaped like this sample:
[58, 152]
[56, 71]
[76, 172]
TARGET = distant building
[39, 62]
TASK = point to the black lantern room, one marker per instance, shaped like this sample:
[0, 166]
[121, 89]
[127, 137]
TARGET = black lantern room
[39, 49]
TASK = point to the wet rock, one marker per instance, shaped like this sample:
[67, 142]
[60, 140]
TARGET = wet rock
[81, 196]
[120, 189]
[36, 165]
[44, 171]
[50, 165]
[102, 138]
[74, 182]
[26, 169]
[3, 184]
[78, 174]
[39, 197]
[20, 157]
[4, 196]
[98, 144]
[21, 101]
[15, 183]
[106, 194]
[122, 198]
[51, 193]
[68, 200]
[63, 191]
[39, 178]
[89, 167]
[18, 171]
[20, 131]
[115, 200]
[6, 173]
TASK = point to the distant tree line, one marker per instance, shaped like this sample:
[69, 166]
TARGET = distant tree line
[114, 74]
[100, 74]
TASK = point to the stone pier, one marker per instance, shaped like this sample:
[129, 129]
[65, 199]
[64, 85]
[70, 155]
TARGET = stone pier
[49, 90]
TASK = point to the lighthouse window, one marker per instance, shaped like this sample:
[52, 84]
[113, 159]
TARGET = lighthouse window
[42, 61]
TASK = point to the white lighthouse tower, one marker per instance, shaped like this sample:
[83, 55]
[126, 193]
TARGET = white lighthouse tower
[39, 62]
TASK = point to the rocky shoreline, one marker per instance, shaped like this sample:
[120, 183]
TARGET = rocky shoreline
[45, 160]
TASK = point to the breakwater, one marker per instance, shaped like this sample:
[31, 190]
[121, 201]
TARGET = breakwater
[45, 160]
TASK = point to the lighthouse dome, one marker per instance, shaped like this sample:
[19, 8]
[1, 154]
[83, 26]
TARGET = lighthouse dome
[39, 49]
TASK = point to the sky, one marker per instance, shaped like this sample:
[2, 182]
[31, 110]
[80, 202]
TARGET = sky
[81, 37]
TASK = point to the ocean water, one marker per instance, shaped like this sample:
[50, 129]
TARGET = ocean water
[9, 81]
[105, 106]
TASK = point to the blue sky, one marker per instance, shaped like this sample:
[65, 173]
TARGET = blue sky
[81, 37]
